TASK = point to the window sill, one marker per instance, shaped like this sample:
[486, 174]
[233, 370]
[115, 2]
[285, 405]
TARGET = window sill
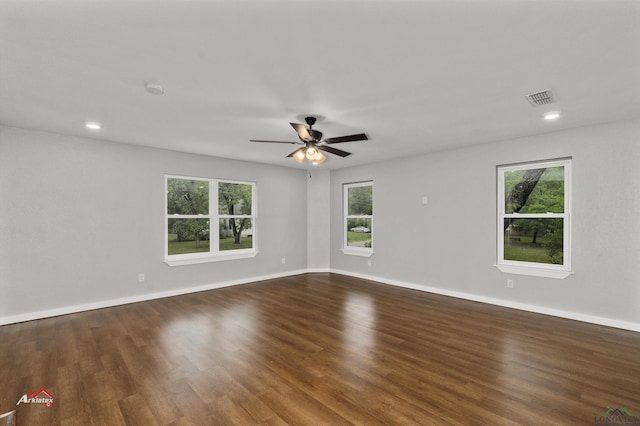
[357, 252]
[535, 272]
[179, 260]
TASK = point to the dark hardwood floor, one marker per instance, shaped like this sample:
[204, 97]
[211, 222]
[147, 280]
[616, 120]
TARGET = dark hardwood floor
[316, 349]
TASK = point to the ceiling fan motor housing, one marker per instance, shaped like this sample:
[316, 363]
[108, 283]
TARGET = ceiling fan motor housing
[315, 135]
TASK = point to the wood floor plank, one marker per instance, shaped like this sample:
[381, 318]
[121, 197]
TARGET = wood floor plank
[135, 411]
[316, 349]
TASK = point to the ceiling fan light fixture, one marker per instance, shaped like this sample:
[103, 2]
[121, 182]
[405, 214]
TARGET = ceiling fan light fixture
[299, 156]
[319, 159]
[312, 153]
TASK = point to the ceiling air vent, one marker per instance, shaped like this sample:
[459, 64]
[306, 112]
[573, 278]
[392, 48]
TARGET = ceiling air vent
[541, 98]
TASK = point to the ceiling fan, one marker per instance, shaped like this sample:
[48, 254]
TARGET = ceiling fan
[314, 144]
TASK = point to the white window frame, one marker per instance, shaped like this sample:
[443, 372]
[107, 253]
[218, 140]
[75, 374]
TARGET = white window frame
[534, 268]
[350, 250]
[214, 254]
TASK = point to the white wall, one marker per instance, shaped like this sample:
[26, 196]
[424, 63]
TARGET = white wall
[318, 216]
[450, 243]
[80, 218]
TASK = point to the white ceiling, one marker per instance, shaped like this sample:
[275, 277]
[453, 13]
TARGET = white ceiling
[415, 76]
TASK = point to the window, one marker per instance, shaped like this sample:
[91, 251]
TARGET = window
[358, 219]
[208, 220]
[534, 207]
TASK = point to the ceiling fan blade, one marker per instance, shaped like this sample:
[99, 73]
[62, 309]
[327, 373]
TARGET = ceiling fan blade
[333, 150]
[257, 140]
[350, 138]
[302, 131]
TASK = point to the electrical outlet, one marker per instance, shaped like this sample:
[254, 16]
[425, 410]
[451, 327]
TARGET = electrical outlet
[424, 200]
[368, 262]
[140, 278]
[283, 261]
[509, 283]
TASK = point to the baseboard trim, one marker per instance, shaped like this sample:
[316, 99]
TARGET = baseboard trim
[30, 316]
[318, 270]
[608, 322]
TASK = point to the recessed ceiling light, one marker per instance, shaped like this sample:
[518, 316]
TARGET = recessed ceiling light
[93, 125]
[551, 115]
